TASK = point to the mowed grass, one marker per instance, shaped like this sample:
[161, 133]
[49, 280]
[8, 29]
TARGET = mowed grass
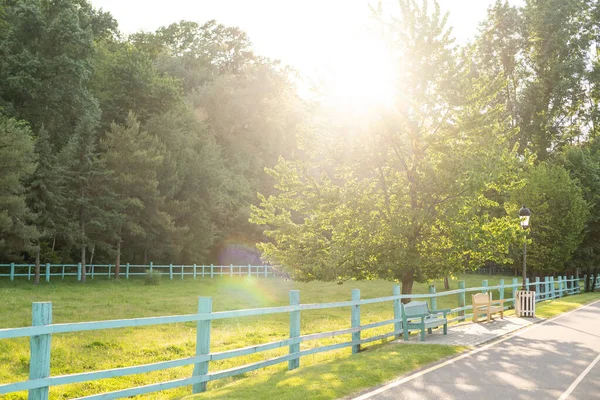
[105, 300]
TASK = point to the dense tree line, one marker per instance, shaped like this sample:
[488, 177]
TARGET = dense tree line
[153, 146]
[149, 147]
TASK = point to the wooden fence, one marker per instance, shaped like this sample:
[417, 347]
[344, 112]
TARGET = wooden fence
[173, 271]
[42, 329]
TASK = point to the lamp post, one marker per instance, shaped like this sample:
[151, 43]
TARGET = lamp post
[524, 214]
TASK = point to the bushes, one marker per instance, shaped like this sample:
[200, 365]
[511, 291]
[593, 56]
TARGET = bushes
[152, 278]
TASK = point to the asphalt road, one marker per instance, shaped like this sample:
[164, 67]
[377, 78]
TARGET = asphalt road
[556, 359]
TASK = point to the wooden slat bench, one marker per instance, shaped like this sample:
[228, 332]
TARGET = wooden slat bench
[416, 315]
[483, 304]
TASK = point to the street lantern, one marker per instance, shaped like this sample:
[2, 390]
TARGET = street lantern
[524, 214]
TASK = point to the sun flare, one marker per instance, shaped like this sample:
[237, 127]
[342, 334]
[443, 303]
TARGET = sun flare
[361, 76]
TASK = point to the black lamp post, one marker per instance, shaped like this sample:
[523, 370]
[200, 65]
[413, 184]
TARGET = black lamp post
[524, 214]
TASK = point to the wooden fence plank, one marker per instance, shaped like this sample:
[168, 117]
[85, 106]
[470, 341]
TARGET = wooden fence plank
[202, 343]
[294, 328]
[397, 311]
[355, 320]
[39, 364]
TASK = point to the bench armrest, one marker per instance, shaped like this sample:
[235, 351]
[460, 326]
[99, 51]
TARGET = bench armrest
[444, 311]
[415, 316]
[501, 301]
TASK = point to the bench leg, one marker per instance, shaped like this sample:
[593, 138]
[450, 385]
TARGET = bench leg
[502, 314]
[422, 334]
[429, 331]
[405, 332]
[445, 329]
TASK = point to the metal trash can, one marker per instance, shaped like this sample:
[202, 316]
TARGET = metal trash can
[525, 305]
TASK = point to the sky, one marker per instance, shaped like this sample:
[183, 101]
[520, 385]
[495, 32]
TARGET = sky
[300, 33]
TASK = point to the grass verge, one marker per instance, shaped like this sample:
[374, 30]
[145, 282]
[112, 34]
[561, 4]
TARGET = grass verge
[105, 300]
[336, 378]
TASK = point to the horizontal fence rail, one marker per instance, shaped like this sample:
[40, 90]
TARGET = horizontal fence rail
[42, 329]
[172, 271]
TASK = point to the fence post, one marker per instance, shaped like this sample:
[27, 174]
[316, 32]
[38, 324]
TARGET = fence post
[461, 300]
[560, 286]
[265, 267]
[151, 267]
[109, 270]
[78, 271]
[397, 311]
[537, 288]
[552, 287]
[515, 283]
[194, 271]
[63, 272]
[249, 270]
[29, 273]
[501, 289]
[202, 271]
[12, 271]
[202, 342]
[92, 271]
[527, 284]
[182, 271]
[355, 320]
[171, 271]
[574, 285]
[294, 328]
[432, 298]
[47, 272]
[39, 364]
[127, 271]
[212, 271]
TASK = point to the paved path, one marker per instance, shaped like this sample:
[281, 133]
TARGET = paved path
[556, 359]
[470, 334]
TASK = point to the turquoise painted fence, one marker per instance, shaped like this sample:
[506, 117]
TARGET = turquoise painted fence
[42, 329]
[173, 271]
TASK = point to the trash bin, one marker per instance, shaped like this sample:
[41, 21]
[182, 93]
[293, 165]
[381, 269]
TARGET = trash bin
[525, 305]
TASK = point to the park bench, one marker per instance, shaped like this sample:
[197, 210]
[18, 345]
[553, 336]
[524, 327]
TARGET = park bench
[416, 315]
[483, 304]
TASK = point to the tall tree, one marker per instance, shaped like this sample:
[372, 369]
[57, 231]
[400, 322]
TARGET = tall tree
[134, 159]
[407, 198]
[559, 215]
[17, 163]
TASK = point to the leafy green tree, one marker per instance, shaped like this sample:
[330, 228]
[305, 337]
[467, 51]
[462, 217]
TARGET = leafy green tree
[559, 216]
[46, 62]
[542, 50]
[583, 163]
[17, 163]
[410, 196]
[126, 79]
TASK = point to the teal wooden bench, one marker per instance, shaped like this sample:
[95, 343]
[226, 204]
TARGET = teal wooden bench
[416, 315]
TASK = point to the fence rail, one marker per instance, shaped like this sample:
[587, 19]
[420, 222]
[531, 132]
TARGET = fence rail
[173, 271]
[42, 329]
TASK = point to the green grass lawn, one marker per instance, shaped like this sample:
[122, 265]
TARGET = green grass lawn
[104, 300]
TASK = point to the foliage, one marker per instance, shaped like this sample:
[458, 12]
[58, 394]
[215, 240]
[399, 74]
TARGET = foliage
[17, 163]
[559, 214]
[152, 278]
[409, 197]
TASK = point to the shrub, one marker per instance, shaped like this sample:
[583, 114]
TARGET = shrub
[153, 278]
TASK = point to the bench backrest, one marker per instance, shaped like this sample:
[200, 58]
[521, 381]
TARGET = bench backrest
[480, 298]
[415, 308]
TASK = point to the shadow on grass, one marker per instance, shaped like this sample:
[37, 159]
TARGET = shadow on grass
[337, 378]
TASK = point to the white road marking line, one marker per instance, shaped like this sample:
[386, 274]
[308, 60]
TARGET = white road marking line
[579, 379]
[463, 356]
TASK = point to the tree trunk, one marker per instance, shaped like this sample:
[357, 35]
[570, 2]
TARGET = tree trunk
[446, 283]
[118, 260]
[593, 283]
[83, 267]
[93, 248]
[407, 284]
[36, 279]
